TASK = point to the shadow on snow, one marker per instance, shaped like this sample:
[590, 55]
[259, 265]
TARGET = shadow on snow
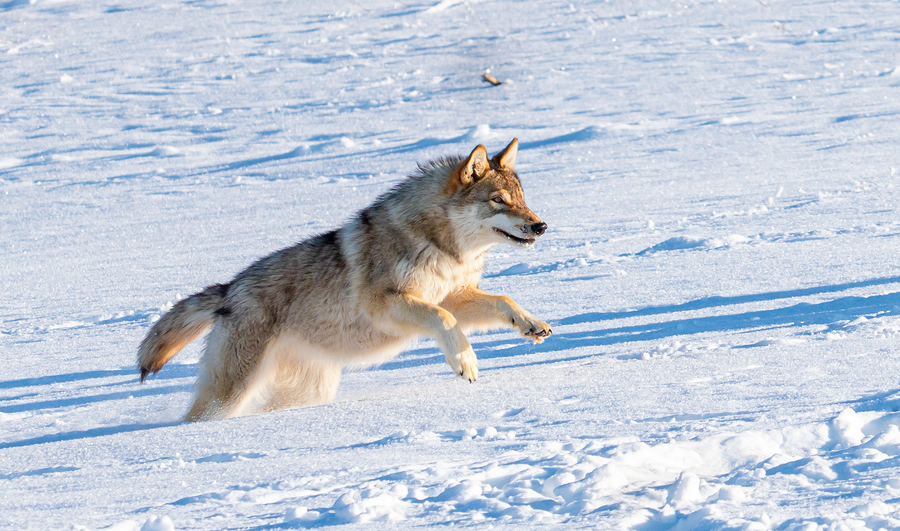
[85, 434]
[712, 302]
[82, 400]
[800, 314]
[181, 370]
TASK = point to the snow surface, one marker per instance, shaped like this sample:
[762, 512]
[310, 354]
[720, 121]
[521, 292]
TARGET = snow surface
[721, 268]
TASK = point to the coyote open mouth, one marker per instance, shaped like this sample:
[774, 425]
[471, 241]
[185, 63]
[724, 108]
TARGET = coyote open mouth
[520, 241]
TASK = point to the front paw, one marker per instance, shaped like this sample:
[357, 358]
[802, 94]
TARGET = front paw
[534, 329]
[465, 364]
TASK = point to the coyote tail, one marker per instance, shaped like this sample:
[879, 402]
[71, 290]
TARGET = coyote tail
[178, 327]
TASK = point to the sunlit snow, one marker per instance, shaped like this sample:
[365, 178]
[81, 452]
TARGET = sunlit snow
[721, 267]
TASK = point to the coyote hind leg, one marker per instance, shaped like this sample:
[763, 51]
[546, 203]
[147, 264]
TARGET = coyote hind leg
[202, 405]
[227, 374]
[302, 383]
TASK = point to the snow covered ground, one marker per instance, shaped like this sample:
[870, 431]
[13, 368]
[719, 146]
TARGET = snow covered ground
[721, 270]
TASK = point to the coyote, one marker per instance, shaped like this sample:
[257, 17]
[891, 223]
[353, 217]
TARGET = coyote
[406, 266]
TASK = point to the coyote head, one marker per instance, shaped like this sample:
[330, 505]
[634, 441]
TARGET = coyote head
[488, 204]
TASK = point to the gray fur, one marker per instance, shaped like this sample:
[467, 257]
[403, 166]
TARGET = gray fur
[407, 265]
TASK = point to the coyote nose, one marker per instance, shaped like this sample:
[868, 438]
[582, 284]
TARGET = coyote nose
[538, 228]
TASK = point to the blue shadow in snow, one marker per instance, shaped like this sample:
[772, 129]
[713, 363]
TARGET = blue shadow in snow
[59, 378]
[173, 370]
[801, 314]
[84, 434]
[81, 400]
[711, 302]
[41, 472]
[582, 135]
[13, 4]
[845, 308]
[884, 401]
[301, 152]
[588, 133]
[326, 519]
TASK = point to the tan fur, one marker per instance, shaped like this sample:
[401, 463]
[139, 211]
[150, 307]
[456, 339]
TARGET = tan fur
[406, 266]
[506, 159]
[182, 324]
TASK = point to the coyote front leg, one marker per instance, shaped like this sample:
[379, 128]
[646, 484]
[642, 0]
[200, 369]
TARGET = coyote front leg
[478, 309]
[405, 314]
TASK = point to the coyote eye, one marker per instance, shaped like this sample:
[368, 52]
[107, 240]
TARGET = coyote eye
[498, 200]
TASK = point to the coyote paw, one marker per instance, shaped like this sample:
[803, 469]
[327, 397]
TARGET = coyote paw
[535, 329]
[465, 364]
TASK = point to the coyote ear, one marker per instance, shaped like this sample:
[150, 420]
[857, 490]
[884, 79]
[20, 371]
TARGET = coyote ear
[506, 159]
[474, 167]
[471, 169]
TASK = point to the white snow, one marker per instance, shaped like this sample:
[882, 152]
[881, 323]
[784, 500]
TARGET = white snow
[720, 271]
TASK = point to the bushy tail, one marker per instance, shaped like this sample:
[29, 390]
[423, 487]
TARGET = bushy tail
[178, 327]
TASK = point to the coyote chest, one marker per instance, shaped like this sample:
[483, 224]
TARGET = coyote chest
[437, 275]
